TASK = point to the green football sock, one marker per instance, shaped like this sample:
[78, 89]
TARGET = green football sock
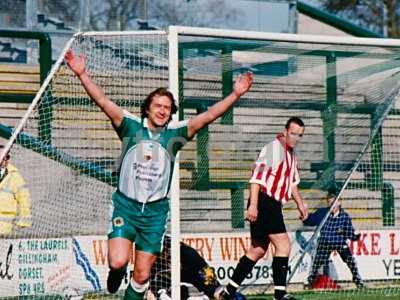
[131, 294]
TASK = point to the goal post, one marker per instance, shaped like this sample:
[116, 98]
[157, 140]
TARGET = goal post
[175, 204]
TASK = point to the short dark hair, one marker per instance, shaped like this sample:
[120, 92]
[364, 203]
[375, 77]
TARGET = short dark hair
[332, 191]
[295, 120]
[157, 92]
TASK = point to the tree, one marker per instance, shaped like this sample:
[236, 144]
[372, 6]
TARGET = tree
[381, 16]
[207, 13]
[103, 15]
[66, 11]
[13, 13]
[124, 14]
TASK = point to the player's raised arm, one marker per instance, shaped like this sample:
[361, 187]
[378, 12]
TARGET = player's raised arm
[78, 66]
[242, 85]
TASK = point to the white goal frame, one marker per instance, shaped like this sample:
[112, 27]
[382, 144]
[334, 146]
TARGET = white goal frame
[173, 34]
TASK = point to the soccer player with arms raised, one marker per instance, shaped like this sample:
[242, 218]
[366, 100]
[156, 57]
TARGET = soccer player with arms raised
[150, 144]
[273, 182]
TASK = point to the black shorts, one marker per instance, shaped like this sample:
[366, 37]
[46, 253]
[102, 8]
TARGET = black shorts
[269, 219]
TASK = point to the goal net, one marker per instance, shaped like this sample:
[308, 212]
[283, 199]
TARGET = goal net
[344, 89]
[67, 153]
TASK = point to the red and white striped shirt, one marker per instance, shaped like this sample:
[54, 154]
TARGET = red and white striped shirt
[276, 170]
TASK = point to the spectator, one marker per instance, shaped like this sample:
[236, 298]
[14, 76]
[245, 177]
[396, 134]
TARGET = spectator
[15, 208]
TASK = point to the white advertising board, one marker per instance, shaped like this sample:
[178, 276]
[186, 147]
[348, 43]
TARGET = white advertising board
[71, 266]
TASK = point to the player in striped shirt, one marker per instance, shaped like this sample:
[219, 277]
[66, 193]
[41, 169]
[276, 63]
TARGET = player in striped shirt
[140, 205]
[273, 182]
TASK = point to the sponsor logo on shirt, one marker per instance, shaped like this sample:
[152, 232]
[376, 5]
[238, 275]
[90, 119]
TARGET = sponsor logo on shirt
[118, 222]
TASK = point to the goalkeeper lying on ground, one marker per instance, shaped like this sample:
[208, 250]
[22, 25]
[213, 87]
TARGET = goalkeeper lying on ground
[194, 271]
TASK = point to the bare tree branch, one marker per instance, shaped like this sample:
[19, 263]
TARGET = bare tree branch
[368, 13]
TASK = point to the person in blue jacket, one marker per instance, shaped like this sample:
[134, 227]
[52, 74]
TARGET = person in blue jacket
[334, 236]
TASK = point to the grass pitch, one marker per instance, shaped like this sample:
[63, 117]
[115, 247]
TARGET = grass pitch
[366, 294]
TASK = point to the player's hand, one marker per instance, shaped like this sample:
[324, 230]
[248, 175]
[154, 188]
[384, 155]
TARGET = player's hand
[303, 210]
[76, 64]
[252, 213]
[243, 83]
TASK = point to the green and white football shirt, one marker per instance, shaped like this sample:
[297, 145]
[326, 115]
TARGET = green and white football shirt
[148, 158]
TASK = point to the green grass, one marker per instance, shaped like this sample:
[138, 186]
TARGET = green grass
[368, 294]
